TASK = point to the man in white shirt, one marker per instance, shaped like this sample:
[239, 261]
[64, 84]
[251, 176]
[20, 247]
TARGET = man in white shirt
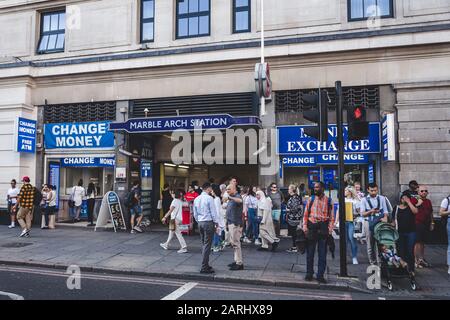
[208, 219]
[374, 208]
[12, 200]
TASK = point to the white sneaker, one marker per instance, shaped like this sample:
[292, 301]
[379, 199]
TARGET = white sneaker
[11, 226]
[355, 261]
[257, 242]
[138, 229]
[448, 269]
[24, 232]
[246, 240]
[182, 250]
[164, 246]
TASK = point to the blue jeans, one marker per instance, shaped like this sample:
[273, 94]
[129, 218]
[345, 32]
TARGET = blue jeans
[250, 233]
[322, 263]
[350, 228]
[216, 240]
[406, 242]
[448, 248]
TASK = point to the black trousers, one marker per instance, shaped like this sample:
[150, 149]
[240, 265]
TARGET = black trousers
[91, 205]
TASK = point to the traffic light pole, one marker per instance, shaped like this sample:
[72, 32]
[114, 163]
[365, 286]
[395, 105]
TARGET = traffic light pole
[341, 193]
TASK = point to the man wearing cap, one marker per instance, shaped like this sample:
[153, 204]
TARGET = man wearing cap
[25, 201]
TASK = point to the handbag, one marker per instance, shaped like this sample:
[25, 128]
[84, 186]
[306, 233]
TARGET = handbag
[172, 225]
[159, 205]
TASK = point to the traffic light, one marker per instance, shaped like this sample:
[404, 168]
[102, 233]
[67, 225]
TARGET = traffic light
[317, 113]
[358, 127]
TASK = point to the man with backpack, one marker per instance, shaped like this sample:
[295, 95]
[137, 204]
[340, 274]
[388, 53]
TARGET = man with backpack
[133, 202]
[26, 201]
[318, 222]
[374, 209]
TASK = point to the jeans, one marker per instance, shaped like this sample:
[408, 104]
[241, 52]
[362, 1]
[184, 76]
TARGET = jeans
[406, 242]
[207, 231]
[370, 243]
[250, 233]
[217, 239]
[322, 263]
[91, 204]
[448, 248]
[350, 228]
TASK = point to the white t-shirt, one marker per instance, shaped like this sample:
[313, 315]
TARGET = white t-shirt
[51, 198]
[78, 194]
[13, 193]
[445, 204]
[177, 212]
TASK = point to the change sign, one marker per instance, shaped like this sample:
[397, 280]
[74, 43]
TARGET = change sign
[26, 135]
[78, 135]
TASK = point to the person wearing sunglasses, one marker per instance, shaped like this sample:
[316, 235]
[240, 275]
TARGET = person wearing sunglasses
[277, 199]
[424, 224]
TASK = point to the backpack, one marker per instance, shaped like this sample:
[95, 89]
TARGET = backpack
[129, 199]
[37, 197]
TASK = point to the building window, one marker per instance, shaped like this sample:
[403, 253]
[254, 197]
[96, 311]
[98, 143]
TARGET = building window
[365, 9]
[147, 20]
[241, 16]
[193, 18]
[53, 26]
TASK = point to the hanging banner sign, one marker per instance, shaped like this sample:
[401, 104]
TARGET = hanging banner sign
[388, 127]
[168, 124]
[110, 209]
[371, 173]
[54, 178]
[78, 135]
[88, 162]
[26, 135]
[293, 140]
[323, 159]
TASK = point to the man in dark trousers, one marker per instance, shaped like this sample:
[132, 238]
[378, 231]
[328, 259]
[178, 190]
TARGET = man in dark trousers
[318, 223]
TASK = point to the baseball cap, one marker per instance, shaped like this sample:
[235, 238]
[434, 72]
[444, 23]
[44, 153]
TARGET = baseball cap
[26, 179]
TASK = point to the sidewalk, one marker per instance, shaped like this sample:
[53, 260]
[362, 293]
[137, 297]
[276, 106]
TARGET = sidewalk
[140, 254]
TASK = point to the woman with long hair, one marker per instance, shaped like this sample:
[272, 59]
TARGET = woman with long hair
[175, 215]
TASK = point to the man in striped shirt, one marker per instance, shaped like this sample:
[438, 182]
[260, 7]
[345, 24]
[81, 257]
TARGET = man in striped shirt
[318, 222]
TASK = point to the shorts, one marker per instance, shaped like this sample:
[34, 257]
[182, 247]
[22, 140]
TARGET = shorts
[422, 232]
[136, 210]
[276, 214]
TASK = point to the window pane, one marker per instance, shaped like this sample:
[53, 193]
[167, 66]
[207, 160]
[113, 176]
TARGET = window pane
[241, 20]
[43, 44]
[62, 21]
[182, 27]
[241, 3]
[54, 22]
[182, 6]
[385, 8]
[370, 8]
[204, 5]
[193, 26]
[357, 10]
[147, 9]
[147, 31]
[204, 25]
[52, 42]
[46, 26]
[60, 41]
[193, 5]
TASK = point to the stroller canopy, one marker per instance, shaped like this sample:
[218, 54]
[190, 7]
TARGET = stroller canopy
[385, 234]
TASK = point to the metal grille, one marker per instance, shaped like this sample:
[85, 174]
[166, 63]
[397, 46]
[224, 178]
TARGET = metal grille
[235, 104]
[80, 112]
[290, 100]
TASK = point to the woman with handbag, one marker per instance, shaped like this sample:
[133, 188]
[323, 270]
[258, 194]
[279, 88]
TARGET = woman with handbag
[175, 213]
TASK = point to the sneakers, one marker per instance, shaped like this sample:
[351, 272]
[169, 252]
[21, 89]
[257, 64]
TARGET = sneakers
[215, 249]
[275, 246]
[164, 246]
[133, 231]
[257, 242]
[24, 233]
[355, 261]
[234, 263]
[237, 267]
[424, 263]
[418, 265]
[247, 240]
[182, 250]
[292, 250]
[138, 229]
[11, 226]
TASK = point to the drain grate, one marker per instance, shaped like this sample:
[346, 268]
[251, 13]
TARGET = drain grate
[16, 244]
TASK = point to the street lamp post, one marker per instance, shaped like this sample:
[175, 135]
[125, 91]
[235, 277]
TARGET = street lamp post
[263, 99]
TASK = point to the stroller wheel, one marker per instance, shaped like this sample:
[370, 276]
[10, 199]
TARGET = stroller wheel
[413, 285]
[390, 286]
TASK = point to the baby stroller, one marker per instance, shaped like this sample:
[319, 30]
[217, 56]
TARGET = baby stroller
[386, 237]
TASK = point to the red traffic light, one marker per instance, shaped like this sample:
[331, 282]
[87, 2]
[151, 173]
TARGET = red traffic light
[357, 113]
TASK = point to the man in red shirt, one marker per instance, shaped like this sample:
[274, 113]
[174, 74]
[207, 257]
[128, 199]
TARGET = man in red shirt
[424, 224]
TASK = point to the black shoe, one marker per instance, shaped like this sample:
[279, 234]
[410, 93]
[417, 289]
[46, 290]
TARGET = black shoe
[309, 277]
[262, 249]
[274, 246]
[91, 225]
[207, 271]
[231, 264]
[321, 280]
[237, 267]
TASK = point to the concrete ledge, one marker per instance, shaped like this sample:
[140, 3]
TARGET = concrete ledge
[332, 285]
